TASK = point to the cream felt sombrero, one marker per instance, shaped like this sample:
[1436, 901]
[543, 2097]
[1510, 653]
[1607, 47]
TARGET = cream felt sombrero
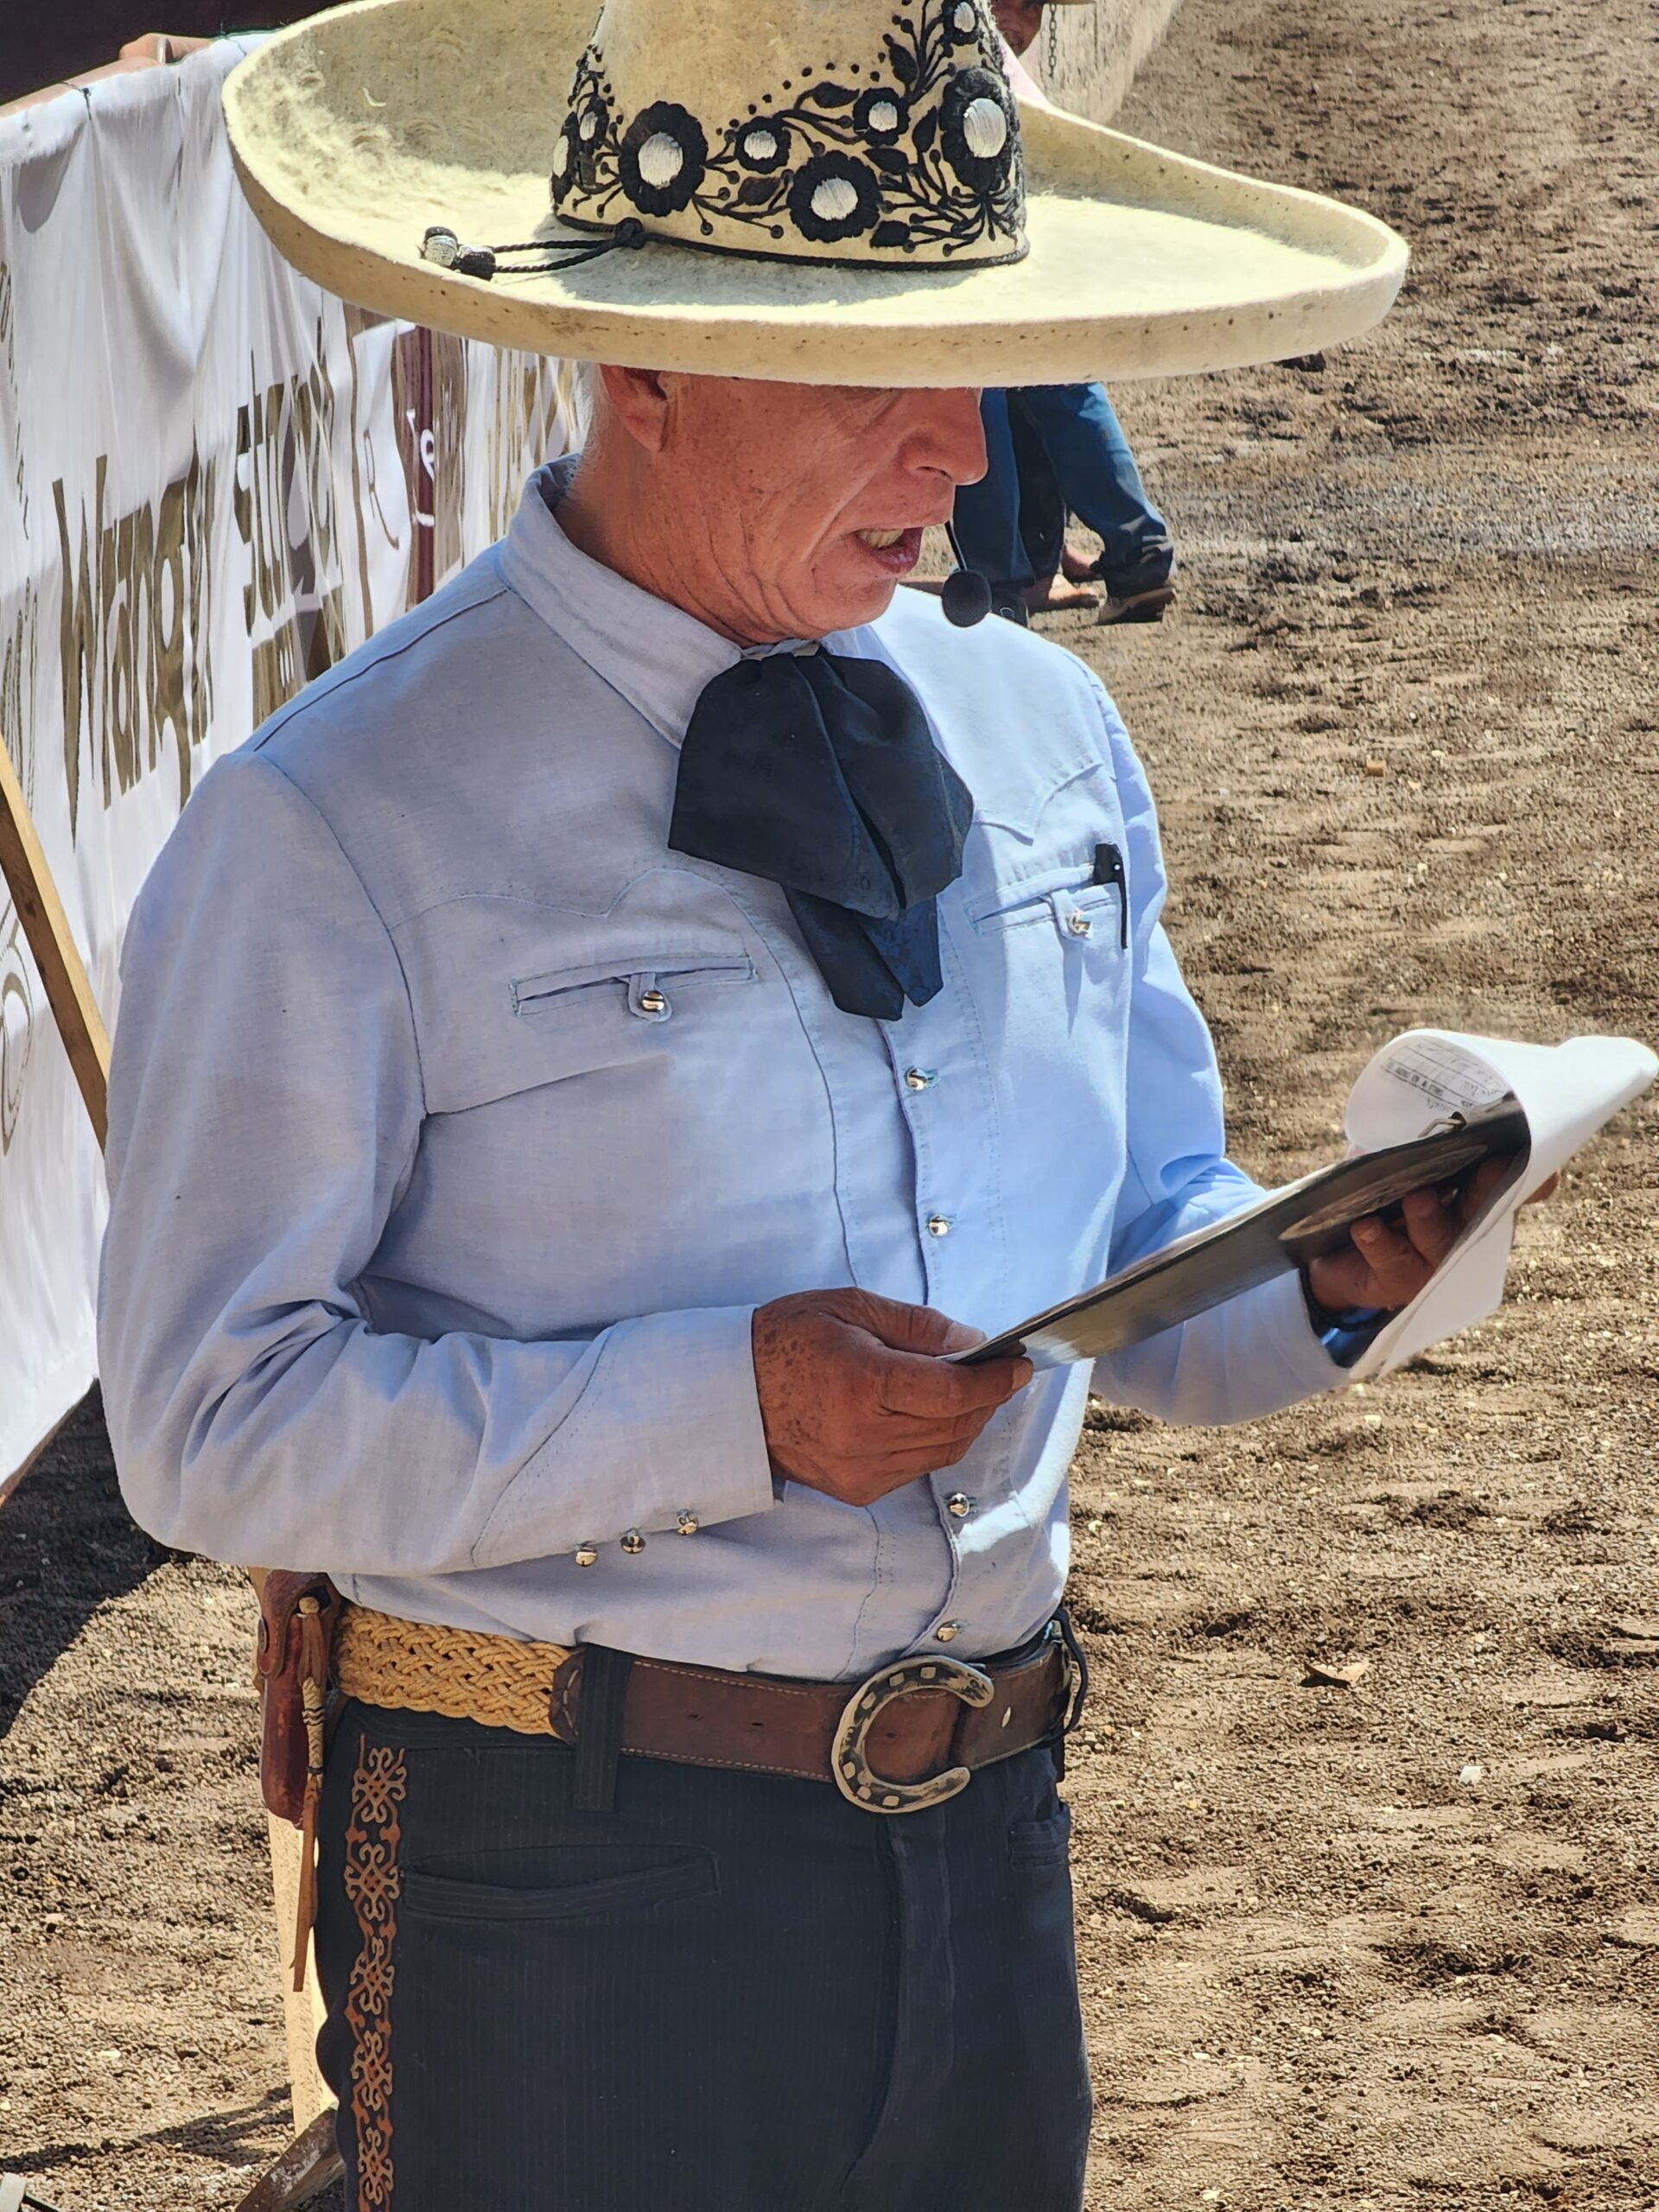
[830, 191]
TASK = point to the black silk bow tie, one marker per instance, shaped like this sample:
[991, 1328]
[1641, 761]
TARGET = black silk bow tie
[820, 774]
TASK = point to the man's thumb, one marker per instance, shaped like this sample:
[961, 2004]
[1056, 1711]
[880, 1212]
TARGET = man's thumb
[919, 1329]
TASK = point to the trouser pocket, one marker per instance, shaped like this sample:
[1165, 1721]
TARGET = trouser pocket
[560, 1882]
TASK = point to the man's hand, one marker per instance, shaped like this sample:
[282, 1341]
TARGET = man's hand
[1385, 1266]
[855, 1398]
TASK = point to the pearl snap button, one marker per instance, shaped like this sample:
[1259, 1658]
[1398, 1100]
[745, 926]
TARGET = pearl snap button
[939, 1224]
[947, 1632]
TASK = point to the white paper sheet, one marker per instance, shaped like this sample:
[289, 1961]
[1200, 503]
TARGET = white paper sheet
[1417, 1082]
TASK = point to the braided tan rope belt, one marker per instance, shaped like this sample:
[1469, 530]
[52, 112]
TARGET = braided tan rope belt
[459, 1673]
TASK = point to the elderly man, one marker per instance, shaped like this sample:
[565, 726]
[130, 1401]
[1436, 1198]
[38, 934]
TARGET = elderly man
[580, 1067]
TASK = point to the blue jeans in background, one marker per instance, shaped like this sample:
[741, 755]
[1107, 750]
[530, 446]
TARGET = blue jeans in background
[1098, 480]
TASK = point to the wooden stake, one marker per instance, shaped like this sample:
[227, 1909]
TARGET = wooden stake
[68, 993]
[310, 2165]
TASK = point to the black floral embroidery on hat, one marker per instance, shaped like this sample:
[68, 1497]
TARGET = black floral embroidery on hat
[921, 158]
[882, 116]
[575, 156]
[762, 145]
[834, 197]
[661, 158]
[565, 159]
[591, 122]
[978, 128]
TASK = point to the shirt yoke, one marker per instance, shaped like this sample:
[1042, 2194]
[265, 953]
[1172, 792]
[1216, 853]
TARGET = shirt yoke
[1019, 715]
[468, 751]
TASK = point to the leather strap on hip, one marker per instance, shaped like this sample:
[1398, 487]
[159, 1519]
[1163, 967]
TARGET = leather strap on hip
[704, 1716]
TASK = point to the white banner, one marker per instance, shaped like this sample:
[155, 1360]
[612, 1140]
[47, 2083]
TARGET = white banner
[215, 480]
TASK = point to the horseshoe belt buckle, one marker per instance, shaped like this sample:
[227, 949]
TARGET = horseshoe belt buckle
[856, 1779]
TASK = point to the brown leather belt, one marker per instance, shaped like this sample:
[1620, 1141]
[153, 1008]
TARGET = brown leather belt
[909, 1736]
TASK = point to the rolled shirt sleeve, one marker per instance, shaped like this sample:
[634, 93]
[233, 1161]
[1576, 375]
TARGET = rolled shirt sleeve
[266, 1110]
[1257, 1353]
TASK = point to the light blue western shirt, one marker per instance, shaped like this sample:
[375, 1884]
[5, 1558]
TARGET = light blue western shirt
[458, 1125]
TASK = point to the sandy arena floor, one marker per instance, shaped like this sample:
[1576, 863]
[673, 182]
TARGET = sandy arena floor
[1321, 1971]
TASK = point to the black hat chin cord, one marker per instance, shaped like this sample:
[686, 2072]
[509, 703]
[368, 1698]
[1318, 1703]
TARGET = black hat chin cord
[445, 250]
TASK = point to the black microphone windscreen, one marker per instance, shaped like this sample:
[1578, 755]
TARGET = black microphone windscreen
[966, 597]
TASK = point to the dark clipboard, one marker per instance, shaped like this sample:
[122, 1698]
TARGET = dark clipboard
[1281, 1234]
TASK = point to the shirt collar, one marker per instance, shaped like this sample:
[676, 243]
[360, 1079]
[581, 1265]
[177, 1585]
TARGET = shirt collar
[658, 657]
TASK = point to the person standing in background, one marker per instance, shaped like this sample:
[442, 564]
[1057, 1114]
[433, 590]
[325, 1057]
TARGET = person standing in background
[1073, 427]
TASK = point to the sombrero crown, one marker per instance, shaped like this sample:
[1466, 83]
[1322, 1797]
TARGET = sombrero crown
[811, 133]
[831, 191]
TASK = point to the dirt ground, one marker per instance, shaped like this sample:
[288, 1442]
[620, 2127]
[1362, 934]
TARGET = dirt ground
[1386, 1947]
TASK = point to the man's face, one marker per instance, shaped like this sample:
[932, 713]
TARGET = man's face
[808, 502]
[1019, 20]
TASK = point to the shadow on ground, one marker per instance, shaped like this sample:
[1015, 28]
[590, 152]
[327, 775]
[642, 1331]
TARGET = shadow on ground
[67, 1546]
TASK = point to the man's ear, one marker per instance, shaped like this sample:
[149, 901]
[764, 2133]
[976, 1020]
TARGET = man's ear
[638, 399]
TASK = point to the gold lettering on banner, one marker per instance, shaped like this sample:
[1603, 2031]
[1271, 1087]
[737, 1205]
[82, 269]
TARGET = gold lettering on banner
[16, 1025]
[136, 627]
[19, 662]
[137, 590]
[286, 517]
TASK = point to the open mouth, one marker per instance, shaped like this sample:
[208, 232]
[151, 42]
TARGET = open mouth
[897, 550]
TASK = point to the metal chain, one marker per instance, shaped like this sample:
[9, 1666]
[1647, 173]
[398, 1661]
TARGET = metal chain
[1054, 46]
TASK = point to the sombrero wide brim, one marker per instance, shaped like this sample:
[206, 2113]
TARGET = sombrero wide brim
[355, 131]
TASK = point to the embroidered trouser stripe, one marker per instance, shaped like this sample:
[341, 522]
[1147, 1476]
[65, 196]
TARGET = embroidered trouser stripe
[372, 1883]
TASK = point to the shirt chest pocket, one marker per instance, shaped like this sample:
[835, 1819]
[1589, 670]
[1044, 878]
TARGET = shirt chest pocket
[1049, 955]
[1082, 904]
[496, 1016]
[651, 986]
[619, 1013]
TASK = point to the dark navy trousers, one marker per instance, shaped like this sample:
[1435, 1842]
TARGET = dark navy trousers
[732, 1992]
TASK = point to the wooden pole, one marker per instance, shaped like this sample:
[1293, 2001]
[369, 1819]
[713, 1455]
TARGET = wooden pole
[69, 994]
